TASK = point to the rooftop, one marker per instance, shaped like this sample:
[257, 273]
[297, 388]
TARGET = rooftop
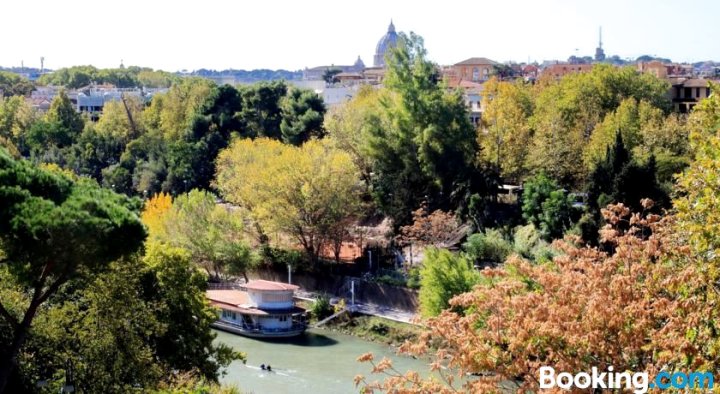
[239, 301]
[266, 285]
[476, 60]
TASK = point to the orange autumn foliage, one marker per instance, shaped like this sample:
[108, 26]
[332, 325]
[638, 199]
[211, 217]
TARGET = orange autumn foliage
[153, 215]
[642, 307]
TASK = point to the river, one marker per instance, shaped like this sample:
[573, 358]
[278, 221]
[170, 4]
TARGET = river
[319, 362]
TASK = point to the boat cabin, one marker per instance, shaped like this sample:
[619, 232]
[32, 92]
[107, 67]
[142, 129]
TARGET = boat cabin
[260, 308]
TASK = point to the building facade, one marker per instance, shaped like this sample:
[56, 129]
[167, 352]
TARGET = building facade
[687, 92]
[474, 69]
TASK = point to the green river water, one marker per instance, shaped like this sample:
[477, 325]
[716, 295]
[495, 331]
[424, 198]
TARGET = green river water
[319, 362]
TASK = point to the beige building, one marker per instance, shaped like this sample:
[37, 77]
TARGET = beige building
[475, 69]
[562, 69]
[687, 92]
[655, 67]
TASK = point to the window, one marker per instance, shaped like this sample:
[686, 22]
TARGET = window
[475, 74]
[697, 92]
[688, 93]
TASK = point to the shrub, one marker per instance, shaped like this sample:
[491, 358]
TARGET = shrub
[321, 308]
[487, 247]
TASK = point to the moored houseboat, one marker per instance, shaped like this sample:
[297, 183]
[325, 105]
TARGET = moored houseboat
[260, 309]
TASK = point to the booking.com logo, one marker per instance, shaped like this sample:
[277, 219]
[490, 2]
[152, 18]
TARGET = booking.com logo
[639, 382]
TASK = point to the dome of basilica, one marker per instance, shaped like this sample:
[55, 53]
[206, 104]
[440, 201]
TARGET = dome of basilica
[389, 40]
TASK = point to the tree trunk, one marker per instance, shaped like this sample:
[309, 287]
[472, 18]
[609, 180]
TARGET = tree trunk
[8, 361]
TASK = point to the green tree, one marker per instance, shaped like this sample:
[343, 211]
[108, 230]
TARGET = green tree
[567, 111]
[302, 116]
[261, 113]
[156, 79]
[150, 313]
[72, 77]
[348, 126]
[16, 119]
[546, 206]
[52, 228]
[187, 344]
[12, 84]
[423, 147]
[444, 275]
[58, 129]
[698, 202]
[620, 179]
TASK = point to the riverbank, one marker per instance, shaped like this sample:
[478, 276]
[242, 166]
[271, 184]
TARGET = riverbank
[374, 329]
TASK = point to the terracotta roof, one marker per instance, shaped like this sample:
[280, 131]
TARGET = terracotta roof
[238, 301]
[475, 60]
[231, 297]
[266, 285]
[465, 84]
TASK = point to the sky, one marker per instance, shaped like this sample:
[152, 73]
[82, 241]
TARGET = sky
[247, 34]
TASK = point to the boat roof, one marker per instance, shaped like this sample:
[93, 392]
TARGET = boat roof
[239, 301]
[266, 285]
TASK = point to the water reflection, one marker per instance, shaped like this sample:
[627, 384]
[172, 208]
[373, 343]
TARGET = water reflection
[308, 339]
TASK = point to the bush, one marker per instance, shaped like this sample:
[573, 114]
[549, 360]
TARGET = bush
[413, 281]
[489, 246]
[321, 308]
[443, 276]
[525, 240]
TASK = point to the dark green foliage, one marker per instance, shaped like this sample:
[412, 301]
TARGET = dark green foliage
[303, 112]
[150, 315]
[261, 113]
[52, 230]
[422, 143]
[619, 179]
[556, 215]
[547, 206]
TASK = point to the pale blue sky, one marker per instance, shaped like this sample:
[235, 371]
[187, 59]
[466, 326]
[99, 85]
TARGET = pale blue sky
[295, 34]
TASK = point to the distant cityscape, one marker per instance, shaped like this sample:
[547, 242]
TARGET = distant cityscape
[337, 83]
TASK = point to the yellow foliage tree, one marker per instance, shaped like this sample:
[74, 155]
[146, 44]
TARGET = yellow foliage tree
[153, 216]
[308, 192]
[505, 132]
